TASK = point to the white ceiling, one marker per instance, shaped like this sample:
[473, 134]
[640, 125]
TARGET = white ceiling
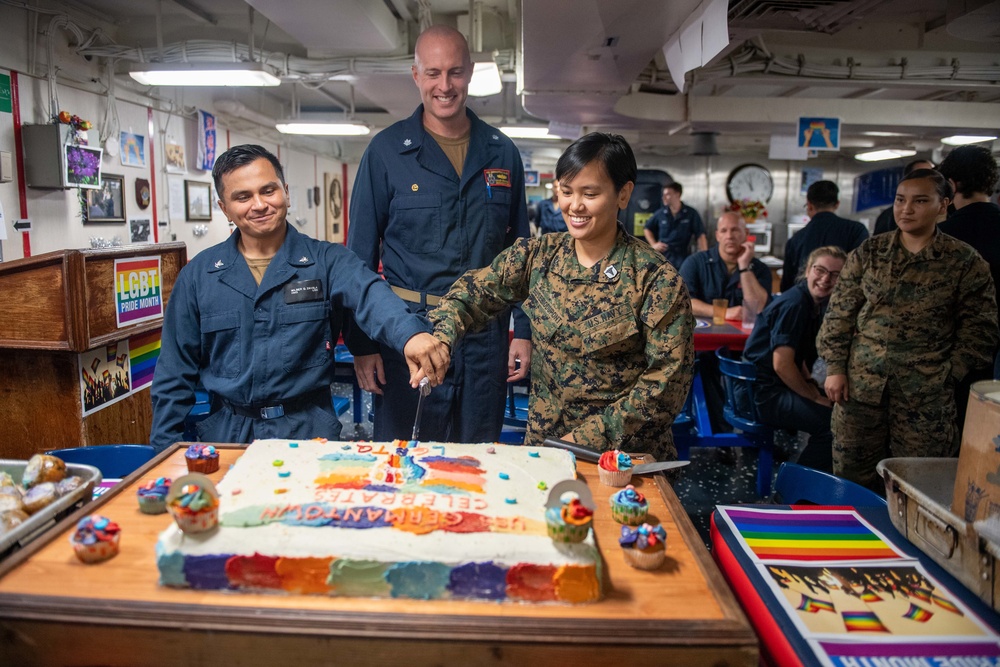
[919, 68]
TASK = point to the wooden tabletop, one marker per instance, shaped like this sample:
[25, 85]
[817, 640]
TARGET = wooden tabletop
[58, 609]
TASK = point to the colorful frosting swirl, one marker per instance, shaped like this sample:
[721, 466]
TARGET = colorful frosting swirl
[630, 498]
[95, 528]
[644, 538]
[576, 513]
[193, 499]
[615, 460]
[156, 488]
[201, 452]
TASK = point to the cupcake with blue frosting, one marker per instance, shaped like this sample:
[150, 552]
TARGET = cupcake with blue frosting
[152, 495]
[645, 547]
[628, 506]
[95, 539]
[614, 468]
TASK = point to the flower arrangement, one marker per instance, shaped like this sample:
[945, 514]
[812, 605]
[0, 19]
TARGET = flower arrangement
[750, 209]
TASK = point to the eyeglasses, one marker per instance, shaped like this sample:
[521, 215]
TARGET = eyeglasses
[822, 273]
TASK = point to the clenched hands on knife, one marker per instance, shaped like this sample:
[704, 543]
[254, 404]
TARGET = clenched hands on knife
[427, 357]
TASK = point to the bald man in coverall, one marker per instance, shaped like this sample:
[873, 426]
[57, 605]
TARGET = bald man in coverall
[438, 194]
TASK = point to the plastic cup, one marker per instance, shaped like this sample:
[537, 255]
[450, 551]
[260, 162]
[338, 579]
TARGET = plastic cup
[719, 307]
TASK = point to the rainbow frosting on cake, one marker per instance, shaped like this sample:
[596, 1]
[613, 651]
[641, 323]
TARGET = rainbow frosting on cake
[402, 519]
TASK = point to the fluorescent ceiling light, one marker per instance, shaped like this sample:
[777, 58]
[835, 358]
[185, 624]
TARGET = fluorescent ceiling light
[528, 132]
[485, 79]
[884, 154]
[325, 128]
[204, 74]
[876, 133]
[962, 139]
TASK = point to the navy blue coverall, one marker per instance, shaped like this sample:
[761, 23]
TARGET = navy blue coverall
[256, 347]
[428, 226]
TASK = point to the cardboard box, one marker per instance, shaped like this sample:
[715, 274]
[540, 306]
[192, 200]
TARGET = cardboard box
[977, 483]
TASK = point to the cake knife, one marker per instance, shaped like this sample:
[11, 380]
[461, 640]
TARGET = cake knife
[589, 454]
[423, 389]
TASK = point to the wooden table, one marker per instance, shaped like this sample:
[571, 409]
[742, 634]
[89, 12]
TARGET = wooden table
[56, 610]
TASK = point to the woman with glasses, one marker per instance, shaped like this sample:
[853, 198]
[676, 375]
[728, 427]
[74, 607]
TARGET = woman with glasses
[914, 311]
[783, 349]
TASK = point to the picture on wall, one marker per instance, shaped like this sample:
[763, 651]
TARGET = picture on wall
[133, 149]
[83, 166]
[334, 208]
[197, 200]
[175, 158]
[107, 203]
[139, 230]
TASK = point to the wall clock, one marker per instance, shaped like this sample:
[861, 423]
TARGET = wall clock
[750, 181]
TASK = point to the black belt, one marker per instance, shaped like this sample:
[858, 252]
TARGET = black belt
[275, 409]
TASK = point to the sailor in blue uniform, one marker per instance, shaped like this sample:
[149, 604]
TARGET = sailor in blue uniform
[438, 194]
[250, 319]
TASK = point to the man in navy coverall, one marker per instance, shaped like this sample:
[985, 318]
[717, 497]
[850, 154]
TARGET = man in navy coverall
[251, 319]
[438, 194]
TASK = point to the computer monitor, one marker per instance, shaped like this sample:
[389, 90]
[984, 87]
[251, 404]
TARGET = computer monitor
[762, 232]
[794, 227]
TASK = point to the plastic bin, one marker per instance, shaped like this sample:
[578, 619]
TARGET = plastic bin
[919, 491]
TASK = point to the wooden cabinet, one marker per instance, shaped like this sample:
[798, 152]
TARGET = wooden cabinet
[53, 308]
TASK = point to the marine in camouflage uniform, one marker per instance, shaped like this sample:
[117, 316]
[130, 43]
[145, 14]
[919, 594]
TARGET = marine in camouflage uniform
[904, 328]
[613, 343]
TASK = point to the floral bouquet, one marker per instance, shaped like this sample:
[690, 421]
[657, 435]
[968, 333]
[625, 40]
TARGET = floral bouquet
[750, 209]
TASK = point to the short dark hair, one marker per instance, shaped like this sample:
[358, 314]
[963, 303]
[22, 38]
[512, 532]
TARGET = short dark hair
[912, 165]
[823, 194]
[611, 151]
[941, 184]
[241, 156]
[972, 168]
[676, 187]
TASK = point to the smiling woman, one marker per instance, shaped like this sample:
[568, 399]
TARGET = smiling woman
[611, 320]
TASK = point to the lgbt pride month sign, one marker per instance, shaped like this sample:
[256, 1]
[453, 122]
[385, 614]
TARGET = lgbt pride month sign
[137, 290]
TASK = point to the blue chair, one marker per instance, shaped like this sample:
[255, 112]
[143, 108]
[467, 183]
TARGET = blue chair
[114, 461]
[799, 485]
[738, 378]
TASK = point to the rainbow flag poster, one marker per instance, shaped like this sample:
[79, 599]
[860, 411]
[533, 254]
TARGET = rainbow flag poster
[805, 535]
[813, 605]
[137, 290]
[918, 614]
[144, 350]
[862, 621]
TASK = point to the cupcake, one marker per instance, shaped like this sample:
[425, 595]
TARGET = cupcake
[614, 468]
[202, 458]
[645, 547]
[628, 506]
[96, 539]
[153, 496]
[569, 522]
[194, 503]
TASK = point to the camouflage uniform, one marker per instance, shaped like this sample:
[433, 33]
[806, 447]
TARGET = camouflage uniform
[904, 328]
[613, 343]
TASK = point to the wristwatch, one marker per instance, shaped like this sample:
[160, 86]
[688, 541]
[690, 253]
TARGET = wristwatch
[743, 270]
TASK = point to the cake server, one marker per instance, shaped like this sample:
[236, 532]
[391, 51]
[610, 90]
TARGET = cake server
[423, 389]
[585, 453]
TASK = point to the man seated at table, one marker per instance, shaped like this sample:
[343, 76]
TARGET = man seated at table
[727, 271]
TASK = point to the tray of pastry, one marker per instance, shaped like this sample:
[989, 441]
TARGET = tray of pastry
[26, 513]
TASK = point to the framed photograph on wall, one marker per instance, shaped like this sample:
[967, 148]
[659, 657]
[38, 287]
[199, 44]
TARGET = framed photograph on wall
[83, 166]
[197, 200]
[107, 203]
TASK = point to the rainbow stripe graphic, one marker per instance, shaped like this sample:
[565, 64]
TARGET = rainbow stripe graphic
[808, 536]
[918, 614]
[812, 605]
[946, 604]
[862, 621]
[868, 595]
[921, 594]
[144, 350]
[137, 290]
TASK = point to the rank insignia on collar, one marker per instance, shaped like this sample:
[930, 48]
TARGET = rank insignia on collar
[495, 137]
[304, 259]
[407, 142]
[219, 264]
[611, 271]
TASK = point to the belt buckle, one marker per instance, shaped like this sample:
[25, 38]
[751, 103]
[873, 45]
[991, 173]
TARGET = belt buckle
[272, 412]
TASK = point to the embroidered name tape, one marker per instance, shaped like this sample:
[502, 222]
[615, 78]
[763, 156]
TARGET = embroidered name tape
[497, 178]
[303, 290]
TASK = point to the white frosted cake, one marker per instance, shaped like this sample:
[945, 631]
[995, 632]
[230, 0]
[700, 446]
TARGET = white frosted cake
[403, 519]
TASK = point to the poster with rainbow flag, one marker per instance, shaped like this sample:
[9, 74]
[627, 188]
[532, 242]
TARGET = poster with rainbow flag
[137, 290]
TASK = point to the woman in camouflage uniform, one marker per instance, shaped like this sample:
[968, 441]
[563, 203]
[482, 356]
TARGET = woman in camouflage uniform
[611, 320]
[913, 312]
